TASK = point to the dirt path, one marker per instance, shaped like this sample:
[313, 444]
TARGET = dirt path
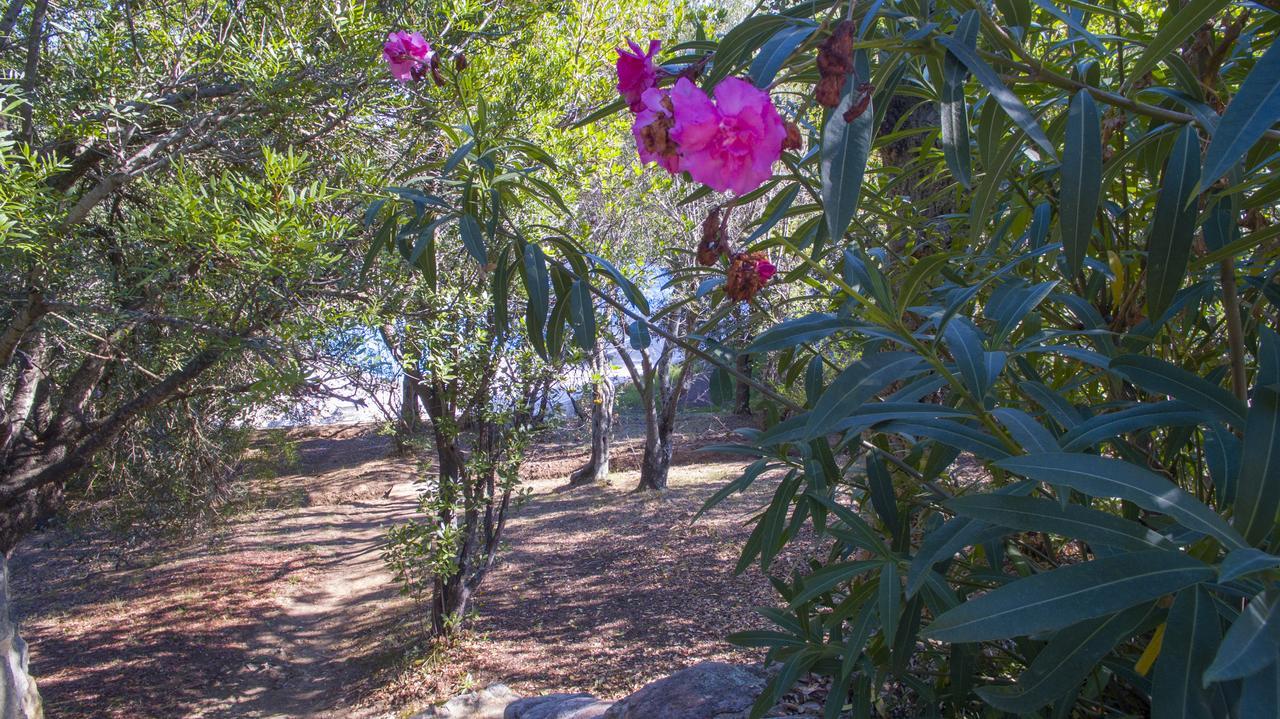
[278, 615]
[288, 612]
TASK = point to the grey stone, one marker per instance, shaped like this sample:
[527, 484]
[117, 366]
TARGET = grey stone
[710, 690]
[557, 706]
[488, 703]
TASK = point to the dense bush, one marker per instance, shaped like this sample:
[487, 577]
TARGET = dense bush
[1030, 391]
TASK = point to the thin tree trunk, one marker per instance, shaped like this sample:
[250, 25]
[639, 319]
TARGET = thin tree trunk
[596, 469]
[18, 696]
[742, 400]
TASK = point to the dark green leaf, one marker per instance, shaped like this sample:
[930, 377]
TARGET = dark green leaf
[800, 330]
[1072, 520]
[1251, 644]
[954, 110]
[857, 384]
[1065, 661]
[1106, 477]
[1069, 595]
[469, 228]
[582, 316]
[1102, 427]
[1174, 223]
[845, 148]
[1258, 486]
[830, 577]
[1081, 178]
[1013, 106]
[774, 53]
[1191, 633]
[1160, 377]
[1252, 111]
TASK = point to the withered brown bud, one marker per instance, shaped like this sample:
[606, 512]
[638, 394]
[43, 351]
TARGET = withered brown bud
[835, 62]
[715, 239]
[792, 140]
[656, 136]
[860, 104]
[748, 272]
[460, 62]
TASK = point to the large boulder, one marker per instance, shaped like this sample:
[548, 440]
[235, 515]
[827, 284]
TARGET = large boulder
[557, 706]
[488, 703]
[710, 690]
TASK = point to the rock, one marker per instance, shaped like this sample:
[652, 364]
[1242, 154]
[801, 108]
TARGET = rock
[488, 703]
[557, 706]
[710, 690]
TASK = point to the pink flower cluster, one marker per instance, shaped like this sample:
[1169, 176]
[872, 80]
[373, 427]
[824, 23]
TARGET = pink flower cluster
[408, 55]
[728, 143]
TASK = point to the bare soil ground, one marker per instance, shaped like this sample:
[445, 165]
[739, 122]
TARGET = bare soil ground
[288, 611]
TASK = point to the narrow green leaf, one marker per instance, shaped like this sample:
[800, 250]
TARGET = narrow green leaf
[1243, 562]
[1065, 661]
[1174, 224]
[1073, 520]
[1069, 595]
[740, 42]
[1258, 486]
[1081, 178]
[1172, 33]
[1106, 477]
[954, 109]
[1160, 377]
[830, 577]
[1012, 106]
[582, 316]
[1102, 427]
[1251, 644]
[774, 53]
[857, 384]
[1253, 110]
[800, 330]
[845, 149]
[1191, 634]
[469, 228]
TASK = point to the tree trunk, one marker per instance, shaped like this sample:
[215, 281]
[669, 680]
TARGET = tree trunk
[656, 465]
[410, 414]
[18, 696]
[742, 401]
[603, 394]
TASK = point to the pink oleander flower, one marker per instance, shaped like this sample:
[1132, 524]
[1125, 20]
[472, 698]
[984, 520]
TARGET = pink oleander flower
[652, 130]
[407, 54]
[730, 144]
[637, 73]
[766, 270]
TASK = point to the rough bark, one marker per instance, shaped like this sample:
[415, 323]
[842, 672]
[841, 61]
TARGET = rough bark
[603, 393]
[18, 696]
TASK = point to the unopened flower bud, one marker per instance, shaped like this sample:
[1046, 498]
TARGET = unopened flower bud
[792, 140]
[460, 62]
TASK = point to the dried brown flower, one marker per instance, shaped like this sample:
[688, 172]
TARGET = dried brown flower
[835, 63]
[859, 105]
[748, 273]
[715, 239]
